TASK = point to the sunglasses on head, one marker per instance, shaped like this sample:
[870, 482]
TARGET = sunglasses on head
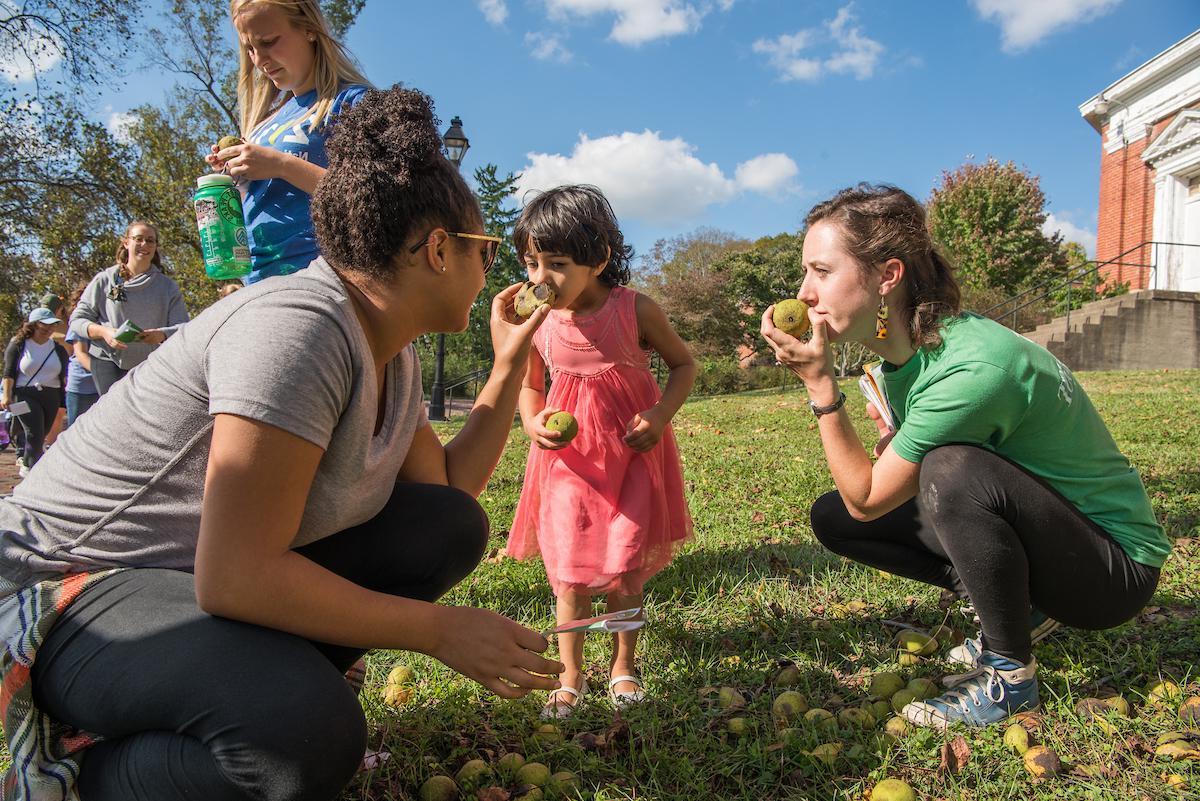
[489, 255]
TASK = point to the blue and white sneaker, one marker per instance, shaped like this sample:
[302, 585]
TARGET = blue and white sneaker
[996, 689]
[967, 653]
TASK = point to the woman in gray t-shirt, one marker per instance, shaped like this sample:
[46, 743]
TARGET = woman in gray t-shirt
[279, 503]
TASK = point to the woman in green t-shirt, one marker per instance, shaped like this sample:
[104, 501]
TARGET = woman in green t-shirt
[997, 479]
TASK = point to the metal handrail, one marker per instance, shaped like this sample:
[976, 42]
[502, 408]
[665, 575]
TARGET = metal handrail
[1077, 276]
[473, 377]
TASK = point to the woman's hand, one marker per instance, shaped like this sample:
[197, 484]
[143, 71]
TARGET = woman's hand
[495, 651]
[110, 338]
[152, 336]
[811, 360]
[248, 162]
[645, 430]
[4, 402]
[512, 336]
[543, 437]
[885, 433]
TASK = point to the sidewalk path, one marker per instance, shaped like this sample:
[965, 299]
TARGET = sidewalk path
[9, 477]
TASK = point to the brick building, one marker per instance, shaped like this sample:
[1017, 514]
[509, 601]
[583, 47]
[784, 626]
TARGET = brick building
[1149, 125]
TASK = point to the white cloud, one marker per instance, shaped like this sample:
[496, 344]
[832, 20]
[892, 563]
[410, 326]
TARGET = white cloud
[118, 124]
[1024, 23]
[494, 11]
[546, 47]
[770, 174]
[639, 21]
[652, 179]
[22, 63]
[1071, 233]
[854, 52]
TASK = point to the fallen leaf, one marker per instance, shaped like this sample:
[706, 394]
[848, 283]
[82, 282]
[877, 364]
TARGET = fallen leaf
[955, 755]
[493, 794]
[758, 517]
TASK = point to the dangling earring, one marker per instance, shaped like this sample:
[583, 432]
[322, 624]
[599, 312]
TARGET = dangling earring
[881, 320]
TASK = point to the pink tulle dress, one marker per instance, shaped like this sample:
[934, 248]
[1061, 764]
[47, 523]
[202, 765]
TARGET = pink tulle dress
[604, 517]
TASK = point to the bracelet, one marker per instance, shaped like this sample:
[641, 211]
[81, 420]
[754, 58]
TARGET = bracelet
[833, 407]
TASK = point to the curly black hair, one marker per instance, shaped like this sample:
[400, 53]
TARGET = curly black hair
[387, 182]
[579, 222]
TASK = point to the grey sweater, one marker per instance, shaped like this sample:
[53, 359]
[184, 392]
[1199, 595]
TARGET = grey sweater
[152, 300]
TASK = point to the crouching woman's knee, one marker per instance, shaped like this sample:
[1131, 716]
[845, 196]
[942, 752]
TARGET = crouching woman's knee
[830, 521]
[462, 527]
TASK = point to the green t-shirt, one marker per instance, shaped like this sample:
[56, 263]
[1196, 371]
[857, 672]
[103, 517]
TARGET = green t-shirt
[991, 387]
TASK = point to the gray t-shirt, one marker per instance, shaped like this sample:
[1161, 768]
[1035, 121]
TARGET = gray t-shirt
[123, 485]
[151, 300]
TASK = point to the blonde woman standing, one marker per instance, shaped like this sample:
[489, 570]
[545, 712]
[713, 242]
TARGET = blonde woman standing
[294, 79]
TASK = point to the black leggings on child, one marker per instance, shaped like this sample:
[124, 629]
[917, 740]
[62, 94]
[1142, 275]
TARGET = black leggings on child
[991, 532]
[200, 707]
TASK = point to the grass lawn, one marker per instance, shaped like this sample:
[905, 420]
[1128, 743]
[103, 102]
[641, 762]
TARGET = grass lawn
[755, 589]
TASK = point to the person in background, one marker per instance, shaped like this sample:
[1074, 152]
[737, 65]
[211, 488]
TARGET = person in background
[81, 388]
[293, 81]
[35, 367]
[134, 290]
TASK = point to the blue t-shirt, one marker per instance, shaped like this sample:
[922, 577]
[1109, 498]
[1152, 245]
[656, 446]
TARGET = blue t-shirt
[79, 380]
[277, 215]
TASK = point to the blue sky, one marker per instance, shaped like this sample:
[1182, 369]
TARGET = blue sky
[740, 114]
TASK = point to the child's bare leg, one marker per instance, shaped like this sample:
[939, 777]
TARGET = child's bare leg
[624, 658]
[571, 606]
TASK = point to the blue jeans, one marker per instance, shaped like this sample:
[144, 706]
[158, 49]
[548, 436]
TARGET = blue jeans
[78, 403]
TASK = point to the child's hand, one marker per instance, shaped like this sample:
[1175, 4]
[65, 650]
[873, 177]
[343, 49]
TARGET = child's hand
[645, 430]
[544, 437]
[512, 336]
[811, 360]
[495, 651]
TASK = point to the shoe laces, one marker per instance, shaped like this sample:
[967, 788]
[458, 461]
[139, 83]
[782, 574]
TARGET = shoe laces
[970, 685]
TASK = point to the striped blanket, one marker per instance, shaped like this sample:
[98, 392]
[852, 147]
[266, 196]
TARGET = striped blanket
[45, 754]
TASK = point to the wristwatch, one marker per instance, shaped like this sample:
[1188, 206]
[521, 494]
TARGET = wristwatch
[833, 407]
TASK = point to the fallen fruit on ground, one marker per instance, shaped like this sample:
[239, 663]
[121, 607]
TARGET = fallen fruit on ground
[474, 774]
[790, 735]
[1177, 749]
[907, 659]
[1189, 711]
[400, 674]
[915, 642]
[1042, 762]
[532, 794]
[395, 695]
[788, 706]
[827, 752]
[509, 764]
[946, 635]
[897, 726]
[924, 688]
[563, 784]
[534, 773]
[1175, 780]
[1119, 704]
[788, 677]
[1161, 693]
[1016, 737]
[564, 423]
[438, 788]
[729, 698]
[885, 685]
[893, 790]
[880, 709]
[1094, 711]
[903, 699]
[737, 726]
[856, 718]
[821, 718]
[548, 733]
[791, 317]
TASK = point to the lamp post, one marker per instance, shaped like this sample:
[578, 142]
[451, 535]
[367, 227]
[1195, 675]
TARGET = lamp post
[456, 143]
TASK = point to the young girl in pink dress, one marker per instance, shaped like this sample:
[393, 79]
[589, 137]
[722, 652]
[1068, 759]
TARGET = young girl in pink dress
[606, 511]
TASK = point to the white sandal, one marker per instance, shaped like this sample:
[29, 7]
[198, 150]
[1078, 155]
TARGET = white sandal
[622, 700]
[557, 710]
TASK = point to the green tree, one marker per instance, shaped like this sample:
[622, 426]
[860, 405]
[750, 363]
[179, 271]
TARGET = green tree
[681, 274]
[988, 219]
[768, 271]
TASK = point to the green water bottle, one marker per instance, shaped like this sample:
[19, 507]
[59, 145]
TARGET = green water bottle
[222, 228]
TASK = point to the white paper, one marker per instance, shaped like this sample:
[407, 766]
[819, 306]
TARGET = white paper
[18, 408]
[870, 383]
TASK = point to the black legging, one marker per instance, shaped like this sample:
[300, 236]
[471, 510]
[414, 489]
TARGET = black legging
[105, 373]
[201, 707]
[36, 423]
[988, 530]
